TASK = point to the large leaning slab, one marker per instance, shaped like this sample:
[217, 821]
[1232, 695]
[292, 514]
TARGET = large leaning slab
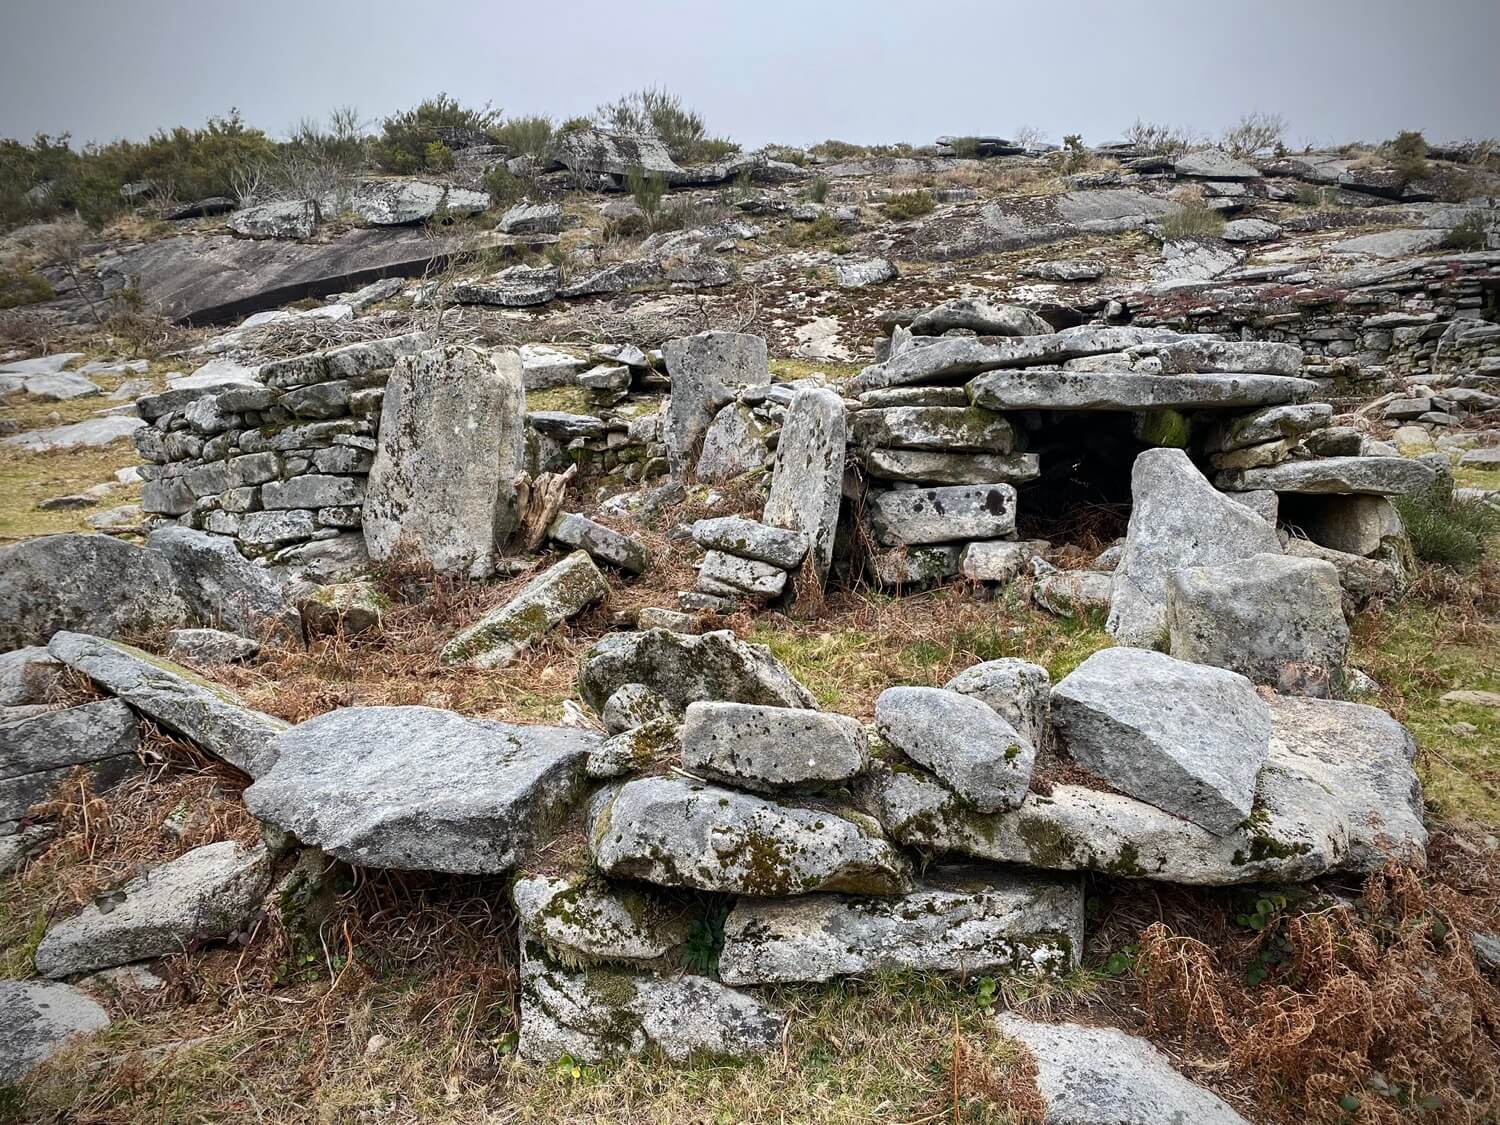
[958, 920]
[563, 590]
[224, 588]
[678, 833]
[209, 716]
[962, 740]
[1177, 519]
[208, 892]
[452, 441]
[421, 789]
[706, 371]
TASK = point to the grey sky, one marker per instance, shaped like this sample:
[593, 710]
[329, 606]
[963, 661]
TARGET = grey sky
[767, 70]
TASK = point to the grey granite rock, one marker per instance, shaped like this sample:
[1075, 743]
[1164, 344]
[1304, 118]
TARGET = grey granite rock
[683, 668]
[771, 748]
[38, 1018]
[964, 741]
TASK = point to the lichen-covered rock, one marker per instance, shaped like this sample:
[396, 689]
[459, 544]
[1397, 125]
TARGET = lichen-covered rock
[955, 429]
[729, 575]
[582, 918]
[349, 608]
[734, 444]
[1102, 1076]
[1291, 423]
[294, 218]
[771, 748]
[1018, 691]
[1177, 519]
[602, 1013]
[676, 833]
[923, 466]
[204, 713]
[1186, 738]
[1356, 525]
[1263, 617]
[631, 751]
[207, 893]
[750, 539]
[631, 706]
[965, 742]
[417, 788]
[563, 590]
[27, 675]
[999, 560]
[1054, 389]
[452, 441]
[39, 751]
[1072, 593]
[943, 515]
[516, 287]
[222, 587]
[808, 477]
[94, 582]
[603, 544]
[389, 203]
[983, 318]
[683, 668]
[210, 646]
[38, 1018]
[958, 920]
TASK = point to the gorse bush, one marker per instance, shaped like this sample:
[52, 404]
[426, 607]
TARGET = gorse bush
[1166, 140]
[1075, 157]
[422, 139]
[1450, 532]
[908, 205]
[1407, 153]
[657, 113]
[22, 287]
[817, 191]
[527, 136]
[1471, 234]
[1257, 134]
[1193, 218]
[647, 189]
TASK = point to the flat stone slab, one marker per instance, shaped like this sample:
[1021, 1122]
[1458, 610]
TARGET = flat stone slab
[563, 590]
[682, 668]
[999, 560]
[954, 429]
[421, 789]
[582, 918]
[1018, 691]
[1376, 476]
[603, 544]
[88, 434]
[943, 515]
[676, 833]
[38, 1018]
[603, 1013]
[962, 740]
[723, 573]
[808, 476]
[750, 539]
[1102, 1076]
[38, 753]
[771, 748]
[207, 893]
[958, 920]
[1048, 389]
[929, 467]
[177, 698]
[1186, 738]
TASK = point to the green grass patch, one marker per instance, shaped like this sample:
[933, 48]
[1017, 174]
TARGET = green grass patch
[1450, 532]
[569, 400]
[26, 479]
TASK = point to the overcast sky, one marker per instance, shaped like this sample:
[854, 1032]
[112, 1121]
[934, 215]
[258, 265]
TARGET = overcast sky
[766, 70]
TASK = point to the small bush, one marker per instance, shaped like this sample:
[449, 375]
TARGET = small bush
[504, 186]
[908, 205]
[660, 114]
[1028, 136]
[822, 230]
[1448, 532]
[1075, 157]
[817, 191]
[1310, 195]
[838, 150]
[409, 140]
[527, 136]
[1166, 140]
[1257, 134]
[647, 189]
[966, 147]
[1470, 234]
[1408, 154]
[20, 287]
[1193, 218]
[786, 154]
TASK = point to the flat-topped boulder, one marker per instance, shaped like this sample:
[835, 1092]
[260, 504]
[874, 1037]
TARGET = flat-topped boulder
[208, 715]
[1056, 389]
[1376, 476]
[958, 920]
[38, 1018]
[421, 789]
[677, 833]
[983, 318]
[964, 741]
[1186, 738]
[1338, 794]
[942, 515]
[208, 893]
[771, 748]
[389, 203]
[93, 582]
[682, 668]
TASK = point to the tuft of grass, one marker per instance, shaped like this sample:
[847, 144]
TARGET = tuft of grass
[1193, 219]
[821, 231]
[908, 205]
[1467, 235]
[1449, 532]
[817, 190]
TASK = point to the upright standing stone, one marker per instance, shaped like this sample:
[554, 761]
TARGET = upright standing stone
[452, 440]
[807, 481]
